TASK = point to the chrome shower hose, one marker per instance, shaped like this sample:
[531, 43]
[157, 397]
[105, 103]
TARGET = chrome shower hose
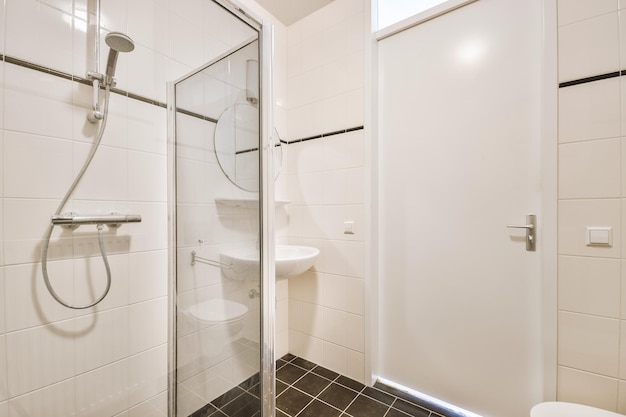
[46, 244]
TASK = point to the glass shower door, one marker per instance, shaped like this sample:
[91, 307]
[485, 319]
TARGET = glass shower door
[217, 177]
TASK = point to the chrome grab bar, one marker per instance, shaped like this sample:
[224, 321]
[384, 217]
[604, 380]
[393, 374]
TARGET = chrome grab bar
[113, 220]
[195, 258]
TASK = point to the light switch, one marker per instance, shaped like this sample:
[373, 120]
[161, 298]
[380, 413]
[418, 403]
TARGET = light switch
[348, 227]
[599, 236]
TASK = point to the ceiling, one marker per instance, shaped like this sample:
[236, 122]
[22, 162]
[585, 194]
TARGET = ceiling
[290, 11]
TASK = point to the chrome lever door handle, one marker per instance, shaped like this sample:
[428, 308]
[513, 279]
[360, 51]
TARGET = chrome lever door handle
[530, 226]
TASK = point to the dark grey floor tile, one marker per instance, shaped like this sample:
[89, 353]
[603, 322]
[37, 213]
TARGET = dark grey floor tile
[312, 384]
[243, 406]
[395, 413]
[280, 363]
[280, 414]
[319, 409]
[379, 395]
[280, 387]
[303, 363]
[292, 401]
[410, 409]
[227, 397]
[250, 382]
[338, 396]
[364, 406]
[326, 373]
[290, 373]
[206, 411]
[288, 357]
[350, 383]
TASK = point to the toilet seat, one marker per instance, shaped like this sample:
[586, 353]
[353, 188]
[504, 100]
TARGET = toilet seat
[562, 409]
[218, 311]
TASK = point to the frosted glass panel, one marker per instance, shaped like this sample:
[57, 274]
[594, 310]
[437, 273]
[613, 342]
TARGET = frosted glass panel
[393, 11]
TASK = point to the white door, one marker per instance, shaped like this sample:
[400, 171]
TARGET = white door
[459, 159]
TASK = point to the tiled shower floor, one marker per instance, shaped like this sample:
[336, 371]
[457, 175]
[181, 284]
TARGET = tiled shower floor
[304, 389]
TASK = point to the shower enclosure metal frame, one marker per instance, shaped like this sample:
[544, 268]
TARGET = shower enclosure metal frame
[266, 213]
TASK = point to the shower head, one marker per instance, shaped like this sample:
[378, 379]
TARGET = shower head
[118, 42]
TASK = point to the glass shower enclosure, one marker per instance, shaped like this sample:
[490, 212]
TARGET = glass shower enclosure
[221, 315]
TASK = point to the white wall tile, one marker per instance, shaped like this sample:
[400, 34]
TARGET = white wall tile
[151, 233]
[2, 307]
[589, 343]
[313, 320]
[147, 275]
[589, 47]
[55, 401]
[622, 364]
[621, 405]
[334, 291]
[590, 169]
[25, 90]
[147, 127]
[113, 15]
[147, 324]
[355, 366]
[1, 83]
[4, 394]
[22, 239]
[27, 300]
[148, 72]
[25, 18]
[2, 34]
[334, 357]
[586, 388]
[103, 339]
[589, 285]
[155, 406]
[148, 24]
[570, 11]
[107, 175]
[186, 39]
[30, 367]
[590, 111]
[147, 375]
[28, 159]
[334, 324]
[102, 392]
[90, 279]
[355, 332]
[576, 215]
[142, 187]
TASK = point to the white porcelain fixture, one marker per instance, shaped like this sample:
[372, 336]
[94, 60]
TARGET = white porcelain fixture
[219, 323]
[563, 409]
[291, 260]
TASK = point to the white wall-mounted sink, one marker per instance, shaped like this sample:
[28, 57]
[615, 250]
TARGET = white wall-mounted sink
[291, 260]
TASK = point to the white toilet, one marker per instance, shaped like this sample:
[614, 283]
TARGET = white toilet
[220, 321]
[562, 409]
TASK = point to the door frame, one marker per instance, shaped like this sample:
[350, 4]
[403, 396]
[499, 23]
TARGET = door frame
[548, 192]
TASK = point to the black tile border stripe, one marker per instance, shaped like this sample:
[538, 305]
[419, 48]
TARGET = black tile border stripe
[323, 135]
[70, 77]
[592, 79]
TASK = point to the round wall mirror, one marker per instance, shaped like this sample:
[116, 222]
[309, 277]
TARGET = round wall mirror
[237, 146]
